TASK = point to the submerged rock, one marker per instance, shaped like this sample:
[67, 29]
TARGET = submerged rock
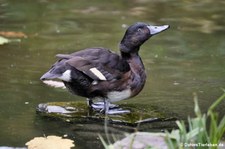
[76, 120]
[75, 112]
[142, 140]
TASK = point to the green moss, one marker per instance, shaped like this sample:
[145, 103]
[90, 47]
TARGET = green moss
[79, 112]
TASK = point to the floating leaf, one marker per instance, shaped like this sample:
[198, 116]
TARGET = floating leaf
[13, 34]
[4, 40]
[50, 142]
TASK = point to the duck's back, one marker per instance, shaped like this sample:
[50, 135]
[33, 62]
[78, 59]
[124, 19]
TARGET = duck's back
[87, 69]
[97, 63]
[99, 56]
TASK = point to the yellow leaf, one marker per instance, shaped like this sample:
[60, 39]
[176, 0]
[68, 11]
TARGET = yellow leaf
[50, 142]
[3, 40]
[13, 34]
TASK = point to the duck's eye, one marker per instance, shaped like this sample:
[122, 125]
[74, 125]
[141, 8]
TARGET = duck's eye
[139, 30]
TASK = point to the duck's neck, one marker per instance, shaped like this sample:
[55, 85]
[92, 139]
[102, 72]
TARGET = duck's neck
[137, 73]
[132, 55]
[134, 61]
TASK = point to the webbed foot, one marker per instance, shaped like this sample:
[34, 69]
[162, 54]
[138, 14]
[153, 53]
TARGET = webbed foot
[106, 107]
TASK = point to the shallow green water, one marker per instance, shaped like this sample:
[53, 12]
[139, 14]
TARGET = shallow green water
[189, 57]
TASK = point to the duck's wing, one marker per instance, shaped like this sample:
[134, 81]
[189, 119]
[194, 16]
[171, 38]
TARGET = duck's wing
[97, 63]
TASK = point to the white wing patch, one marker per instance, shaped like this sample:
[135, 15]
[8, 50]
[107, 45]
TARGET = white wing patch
[66, 76]
[98, 74]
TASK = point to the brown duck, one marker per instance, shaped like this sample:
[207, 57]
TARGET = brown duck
[98, 73]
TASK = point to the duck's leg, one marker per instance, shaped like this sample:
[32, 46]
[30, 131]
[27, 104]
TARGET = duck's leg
[105, 107]
[99, 106]
[89, 102]
[114, 110]
[95, 105]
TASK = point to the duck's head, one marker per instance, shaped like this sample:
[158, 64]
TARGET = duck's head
[137, 34]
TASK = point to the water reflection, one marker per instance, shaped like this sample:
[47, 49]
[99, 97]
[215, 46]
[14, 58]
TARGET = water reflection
[187, 58]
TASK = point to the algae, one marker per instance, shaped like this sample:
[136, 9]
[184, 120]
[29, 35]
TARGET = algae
[78, 111]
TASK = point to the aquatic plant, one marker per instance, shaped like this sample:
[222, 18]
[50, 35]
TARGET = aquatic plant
[199, 134]
[203, 131]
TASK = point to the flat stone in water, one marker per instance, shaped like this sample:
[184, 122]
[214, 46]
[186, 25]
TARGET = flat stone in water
[142, 140]
[79, 112]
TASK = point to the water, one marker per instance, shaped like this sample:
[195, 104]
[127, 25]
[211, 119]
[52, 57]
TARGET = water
[187, 58]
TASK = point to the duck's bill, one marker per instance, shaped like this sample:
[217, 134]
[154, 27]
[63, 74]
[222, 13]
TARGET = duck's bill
[48, 76]
[157, 29]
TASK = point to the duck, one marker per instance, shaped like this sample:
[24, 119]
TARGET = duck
[99, 73]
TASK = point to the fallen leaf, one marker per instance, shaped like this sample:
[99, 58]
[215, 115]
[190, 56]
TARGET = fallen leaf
[4, 40]
[50, 142]
[13, 34]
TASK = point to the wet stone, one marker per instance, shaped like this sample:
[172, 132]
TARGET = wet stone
[79, 112]
[142, 140]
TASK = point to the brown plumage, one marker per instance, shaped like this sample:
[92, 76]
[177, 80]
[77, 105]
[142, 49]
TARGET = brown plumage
[100, 73]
